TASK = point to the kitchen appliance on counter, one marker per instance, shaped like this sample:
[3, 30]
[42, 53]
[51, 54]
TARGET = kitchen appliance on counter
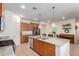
[36, 31]
[44, 36]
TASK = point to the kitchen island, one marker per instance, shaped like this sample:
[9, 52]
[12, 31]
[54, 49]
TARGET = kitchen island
[50, 46]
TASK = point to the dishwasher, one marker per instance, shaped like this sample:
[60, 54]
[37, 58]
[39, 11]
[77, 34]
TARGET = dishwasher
[30, 42]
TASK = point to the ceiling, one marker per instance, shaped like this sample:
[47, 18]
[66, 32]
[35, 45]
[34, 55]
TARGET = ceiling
[44, 11]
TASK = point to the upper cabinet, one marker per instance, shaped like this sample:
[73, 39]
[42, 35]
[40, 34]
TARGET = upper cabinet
[1, 9]
[30, 26]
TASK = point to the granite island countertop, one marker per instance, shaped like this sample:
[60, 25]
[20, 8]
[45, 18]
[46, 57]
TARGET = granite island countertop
[52, 40]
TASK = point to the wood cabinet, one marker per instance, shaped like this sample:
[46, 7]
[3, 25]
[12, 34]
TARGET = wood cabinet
[49, 49]
[35, 42]
[41, 47]
[24, 39]
[35, 25]
[67, 36]
[1, 9]
[44, 48]
[38, 46]
[26, 26]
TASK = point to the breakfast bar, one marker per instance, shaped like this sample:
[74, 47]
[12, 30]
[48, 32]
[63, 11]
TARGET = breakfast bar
[50, 46]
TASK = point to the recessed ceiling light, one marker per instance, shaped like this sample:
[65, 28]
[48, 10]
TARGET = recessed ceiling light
[22, 6]
[63, 17]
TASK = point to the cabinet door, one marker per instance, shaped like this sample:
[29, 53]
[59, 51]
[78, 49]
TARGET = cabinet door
[35, 45]
[36, 25]
[49, 50]
[1, 9]
[43, 48]
[24, 26]
[24, 39]
[40, 47]
[30, 26]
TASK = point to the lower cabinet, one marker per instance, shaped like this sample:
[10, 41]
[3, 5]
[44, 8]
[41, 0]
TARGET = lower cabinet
[35, 44]
[38, 46]
[24, 39]
[49, 49]
[43, 48]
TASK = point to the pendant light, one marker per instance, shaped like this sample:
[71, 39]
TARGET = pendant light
[53, 25]
[53, 13]
[34, 9]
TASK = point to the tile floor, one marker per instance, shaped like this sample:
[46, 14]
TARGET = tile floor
[74, 49]
[24, 50]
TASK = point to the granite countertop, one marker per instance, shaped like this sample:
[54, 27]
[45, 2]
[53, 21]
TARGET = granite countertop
[51, 40]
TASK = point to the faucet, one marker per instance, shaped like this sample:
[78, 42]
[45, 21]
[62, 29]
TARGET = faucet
[54, 34]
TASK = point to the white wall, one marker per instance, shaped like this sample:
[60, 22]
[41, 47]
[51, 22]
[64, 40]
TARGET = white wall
[12, 27]
[77, 31]
[46, 28]
[67, 21]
